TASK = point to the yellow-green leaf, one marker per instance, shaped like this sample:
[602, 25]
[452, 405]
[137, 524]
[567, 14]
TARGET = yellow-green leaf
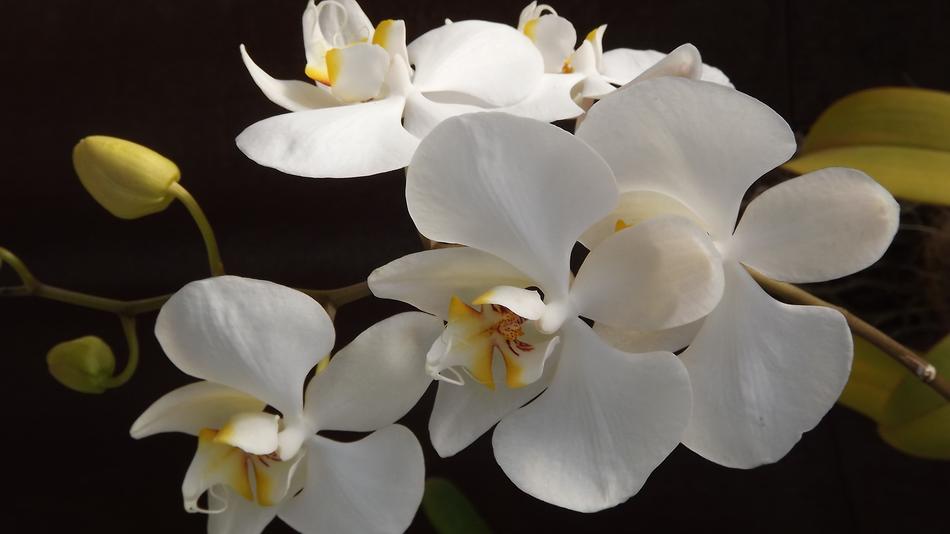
[916, 419]
[918, 174]
[898, 135]
[874, 377]
[888, 116]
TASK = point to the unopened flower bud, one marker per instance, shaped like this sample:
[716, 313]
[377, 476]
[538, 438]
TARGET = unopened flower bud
[84, 364]
[126, 178]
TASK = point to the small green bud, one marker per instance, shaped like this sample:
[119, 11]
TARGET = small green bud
[84, 364]
[126, 178]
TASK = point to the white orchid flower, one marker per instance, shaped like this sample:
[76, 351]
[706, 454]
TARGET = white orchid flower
[602, 71]
[762, 372]
[373, 97]
[518, 193]
[253, 343]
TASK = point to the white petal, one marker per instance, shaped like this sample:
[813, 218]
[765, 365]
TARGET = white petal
[464, 412]
[492, 62]
[551, 100]
[715, 75]
[525, 302]
[257, 337]
[513, 187]
[428, 280]
[357, 72]
[607, 420]
[555, 38]
[659, 274]
[338, 142]
[763, 372]
[634, 208]
[820, 226]
[241, 516]
[622, 65]
[634, 341]
[423, 114]
[698, 142]
[370, 486]
[193, 407]
[252, 432]
[335, 23]
[375, 379]
[293, 95]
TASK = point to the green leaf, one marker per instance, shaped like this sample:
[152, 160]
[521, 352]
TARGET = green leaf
[874, 377]
[916, 419]
[898, 135]
[449, 511]
[917, 174]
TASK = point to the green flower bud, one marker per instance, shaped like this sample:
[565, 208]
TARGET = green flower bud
[126, 178]
[85, 364]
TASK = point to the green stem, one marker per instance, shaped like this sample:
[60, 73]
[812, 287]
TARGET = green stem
[922, 369]
[128, 327]
[211, 244]
[339, 297]
[26, 277]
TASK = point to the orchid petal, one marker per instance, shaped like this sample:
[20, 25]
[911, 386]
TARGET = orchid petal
[634, 208]
[253, 433]
[333, 24]
[622, 65]
[257, 337]
[763, 372]
[391, 35]
[464, 412]
[489, 181]
[339, 142]
[370, 486]
[820, 226]
[606, 421]
[551, 100]
[492, 62]
[698, 142]
[191, 408]
[659, 274]
[428, 280]
[423, 114]
[636, 341]
[241, 516]
[375, 379]
[526, 303]
[584, 61]
[292, 95]
[215, 464]
[554, 37]
[356, 72]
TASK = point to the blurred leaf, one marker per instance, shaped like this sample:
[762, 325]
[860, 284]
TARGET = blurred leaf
[916, 174]
[449, 511]
[916, 419]
[874, 377]
[898, 135]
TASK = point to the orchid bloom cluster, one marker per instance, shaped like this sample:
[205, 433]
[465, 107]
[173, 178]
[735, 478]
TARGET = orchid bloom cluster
[590, 376]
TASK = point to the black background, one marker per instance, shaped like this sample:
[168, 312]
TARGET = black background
[168, 74]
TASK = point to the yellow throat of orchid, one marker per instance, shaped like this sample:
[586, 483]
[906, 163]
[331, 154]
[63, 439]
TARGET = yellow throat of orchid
[328, 70]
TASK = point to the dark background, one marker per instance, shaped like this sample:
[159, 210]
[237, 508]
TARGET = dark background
[168, 74]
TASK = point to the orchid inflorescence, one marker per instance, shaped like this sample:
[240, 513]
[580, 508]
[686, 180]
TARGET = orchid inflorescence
[590, 377]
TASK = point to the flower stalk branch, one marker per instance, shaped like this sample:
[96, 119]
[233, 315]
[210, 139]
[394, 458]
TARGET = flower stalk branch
[128, 327]
[211, 244]
[920, 367]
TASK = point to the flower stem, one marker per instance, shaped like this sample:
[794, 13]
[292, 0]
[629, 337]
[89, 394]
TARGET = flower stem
[128, 327]
[340, 296]
[922, 369]
[211, 244]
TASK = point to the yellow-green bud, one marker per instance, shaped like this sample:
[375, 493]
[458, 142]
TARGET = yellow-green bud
[128, 179]
[85, 364]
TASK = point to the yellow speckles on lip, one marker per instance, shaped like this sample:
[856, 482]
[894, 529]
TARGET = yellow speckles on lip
[530, 28]
[620, 225]
[567, 68]
[318, 73]
[381, 35]
[479, 343]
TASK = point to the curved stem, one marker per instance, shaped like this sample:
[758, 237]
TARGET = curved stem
[921, 368]
[128, 327]
[211, 244]
[26, 277]
[340, 296]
